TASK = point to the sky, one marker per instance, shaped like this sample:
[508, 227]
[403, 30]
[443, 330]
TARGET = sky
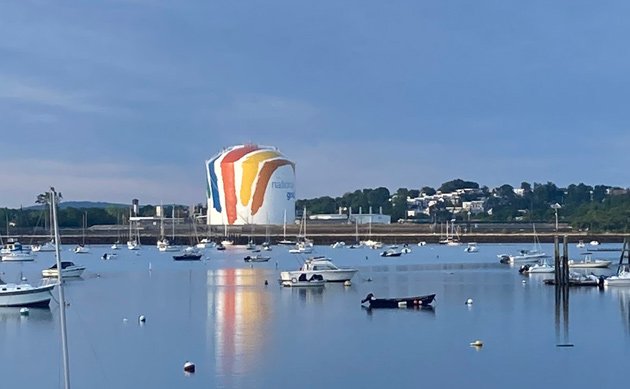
[115, 100]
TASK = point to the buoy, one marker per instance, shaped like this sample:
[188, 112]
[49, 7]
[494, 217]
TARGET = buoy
[124, 320]
[524, 281]
[369, 279]
[142, 319]
[469, 302]
[24, 311]
[347, 283]
[266, 283]
[189, 367]
[477, 343]
[150, 267]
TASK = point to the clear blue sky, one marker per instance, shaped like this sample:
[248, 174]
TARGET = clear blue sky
[114, 100]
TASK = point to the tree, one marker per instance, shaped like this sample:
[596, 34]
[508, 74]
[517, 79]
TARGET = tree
[428, 191]
[452, 186]
[44, 198]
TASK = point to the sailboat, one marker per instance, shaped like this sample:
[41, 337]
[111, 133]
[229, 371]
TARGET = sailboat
[133, 243]
[163, 244]
[50, 244]
[303, 245]
[284, 240]
[533, 255]
[82, 249]
[116, 244]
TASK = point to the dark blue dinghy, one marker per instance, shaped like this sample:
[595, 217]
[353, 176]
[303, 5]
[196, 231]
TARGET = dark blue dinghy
[403, 302]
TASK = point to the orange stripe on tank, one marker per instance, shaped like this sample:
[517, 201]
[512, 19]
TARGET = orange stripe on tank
[250, 169]
[227, 174]
[263, 180]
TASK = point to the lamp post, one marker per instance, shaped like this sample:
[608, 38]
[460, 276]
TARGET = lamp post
[556, 207]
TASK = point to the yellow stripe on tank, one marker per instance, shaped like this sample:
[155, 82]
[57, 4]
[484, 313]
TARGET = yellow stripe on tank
[250, 171]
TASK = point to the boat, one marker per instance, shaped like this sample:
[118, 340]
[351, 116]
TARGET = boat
[580, 244]
[188, 256]
[322, 266]
[305, 280]
[68, 269]
[594, 243]
[542, 267]
[205, 243]
[285, 241]
[589, 263]
[25, 295]
[471, 248]
[578, 279]
[422, 243]
[337, 245]
[45, 247]
[524, 256]
[107, 256]
[401, 302]
[622, 278]
[391, 253]
[15, 251]
[405, 249]
[134, 242]
[256, 258]
[82, 248]
[220, 247]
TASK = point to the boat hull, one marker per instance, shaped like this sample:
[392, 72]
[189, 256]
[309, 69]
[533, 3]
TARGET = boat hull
[404, 302]
[53, 273]
[329, 275]
[29, 297]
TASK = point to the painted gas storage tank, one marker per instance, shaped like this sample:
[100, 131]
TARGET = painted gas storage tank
[250, 184]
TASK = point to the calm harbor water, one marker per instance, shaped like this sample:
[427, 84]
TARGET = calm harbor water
[240, 333]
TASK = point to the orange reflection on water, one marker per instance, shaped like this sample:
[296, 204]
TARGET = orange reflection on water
[239, 310]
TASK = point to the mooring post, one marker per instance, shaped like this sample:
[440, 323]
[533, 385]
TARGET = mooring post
[565, 260]
[556, 259]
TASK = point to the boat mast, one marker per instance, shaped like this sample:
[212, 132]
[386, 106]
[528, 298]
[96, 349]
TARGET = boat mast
[284, 229]
[62, 298]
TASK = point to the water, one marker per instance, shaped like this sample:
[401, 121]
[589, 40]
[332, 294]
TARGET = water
[242, 334]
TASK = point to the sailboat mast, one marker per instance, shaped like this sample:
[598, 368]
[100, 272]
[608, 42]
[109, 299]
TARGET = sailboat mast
[62, 298]
[284, 228]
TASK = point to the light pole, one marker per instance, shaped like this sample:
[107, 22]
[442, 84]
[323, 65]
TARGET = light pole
[556, 207]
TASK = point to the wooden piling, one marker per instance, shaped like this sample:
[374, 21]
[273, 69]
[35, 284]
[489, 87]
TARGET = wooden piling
[556, 260]
[565, 260]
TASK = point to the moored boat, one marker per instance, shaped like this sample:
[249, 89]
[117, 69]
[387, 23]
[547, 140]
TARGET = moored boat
[256, 258]
[401, 302]
[322, 266]
[68, 269]
[304, 280]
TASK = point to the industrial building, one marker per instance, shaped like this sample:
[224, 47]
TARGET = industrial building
[250, 184]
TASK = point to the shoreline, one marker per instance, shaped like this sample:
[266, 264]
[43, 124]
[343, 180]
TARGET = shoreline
[322, 234]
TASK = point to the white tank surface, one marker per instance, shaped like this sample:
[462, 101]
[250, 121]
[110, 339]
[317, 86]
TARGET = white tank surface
[250, 184]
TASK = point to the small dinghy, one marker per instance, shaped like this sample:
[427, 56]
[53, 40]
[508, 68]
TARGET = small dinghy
[403, 302]
[188, 256]
[256, 258]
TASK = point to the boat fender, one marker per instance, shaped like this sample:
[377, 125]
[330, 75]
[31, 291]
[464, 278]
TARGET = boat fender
[469, 301]
[142, 319]
[294, 280]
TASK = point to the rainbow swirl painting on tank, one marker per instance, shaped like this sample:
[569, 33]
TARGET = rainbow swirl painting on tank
[250, 184]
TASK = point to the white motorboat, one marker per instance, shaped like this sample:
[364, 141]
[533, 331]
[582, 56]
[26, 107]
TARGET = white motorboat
[471, 248]
[15, 251]
[422, 243]
[205, 243]
[163, 245]
[322, 266]
[542, 267]
[337, 245]
[580, 244]
[81, 249]
[525, 256]
[588, 263]
[594, 243]
[405, 249]
[25, 295]
[391, 253]
[621, 279]
[257, 258]
[68, 269]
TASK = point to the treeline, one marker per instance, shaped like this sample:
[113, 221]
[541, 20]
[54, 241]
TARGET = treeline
[584, 207]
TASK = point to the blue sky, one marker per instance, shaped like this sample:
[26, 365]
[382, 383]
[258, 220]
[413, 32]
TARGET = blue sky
[114, 100]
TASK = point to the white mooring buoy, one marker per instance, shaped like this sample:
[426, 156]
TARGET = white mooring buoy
[24, 311]
[469, 301]
[142, 319]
